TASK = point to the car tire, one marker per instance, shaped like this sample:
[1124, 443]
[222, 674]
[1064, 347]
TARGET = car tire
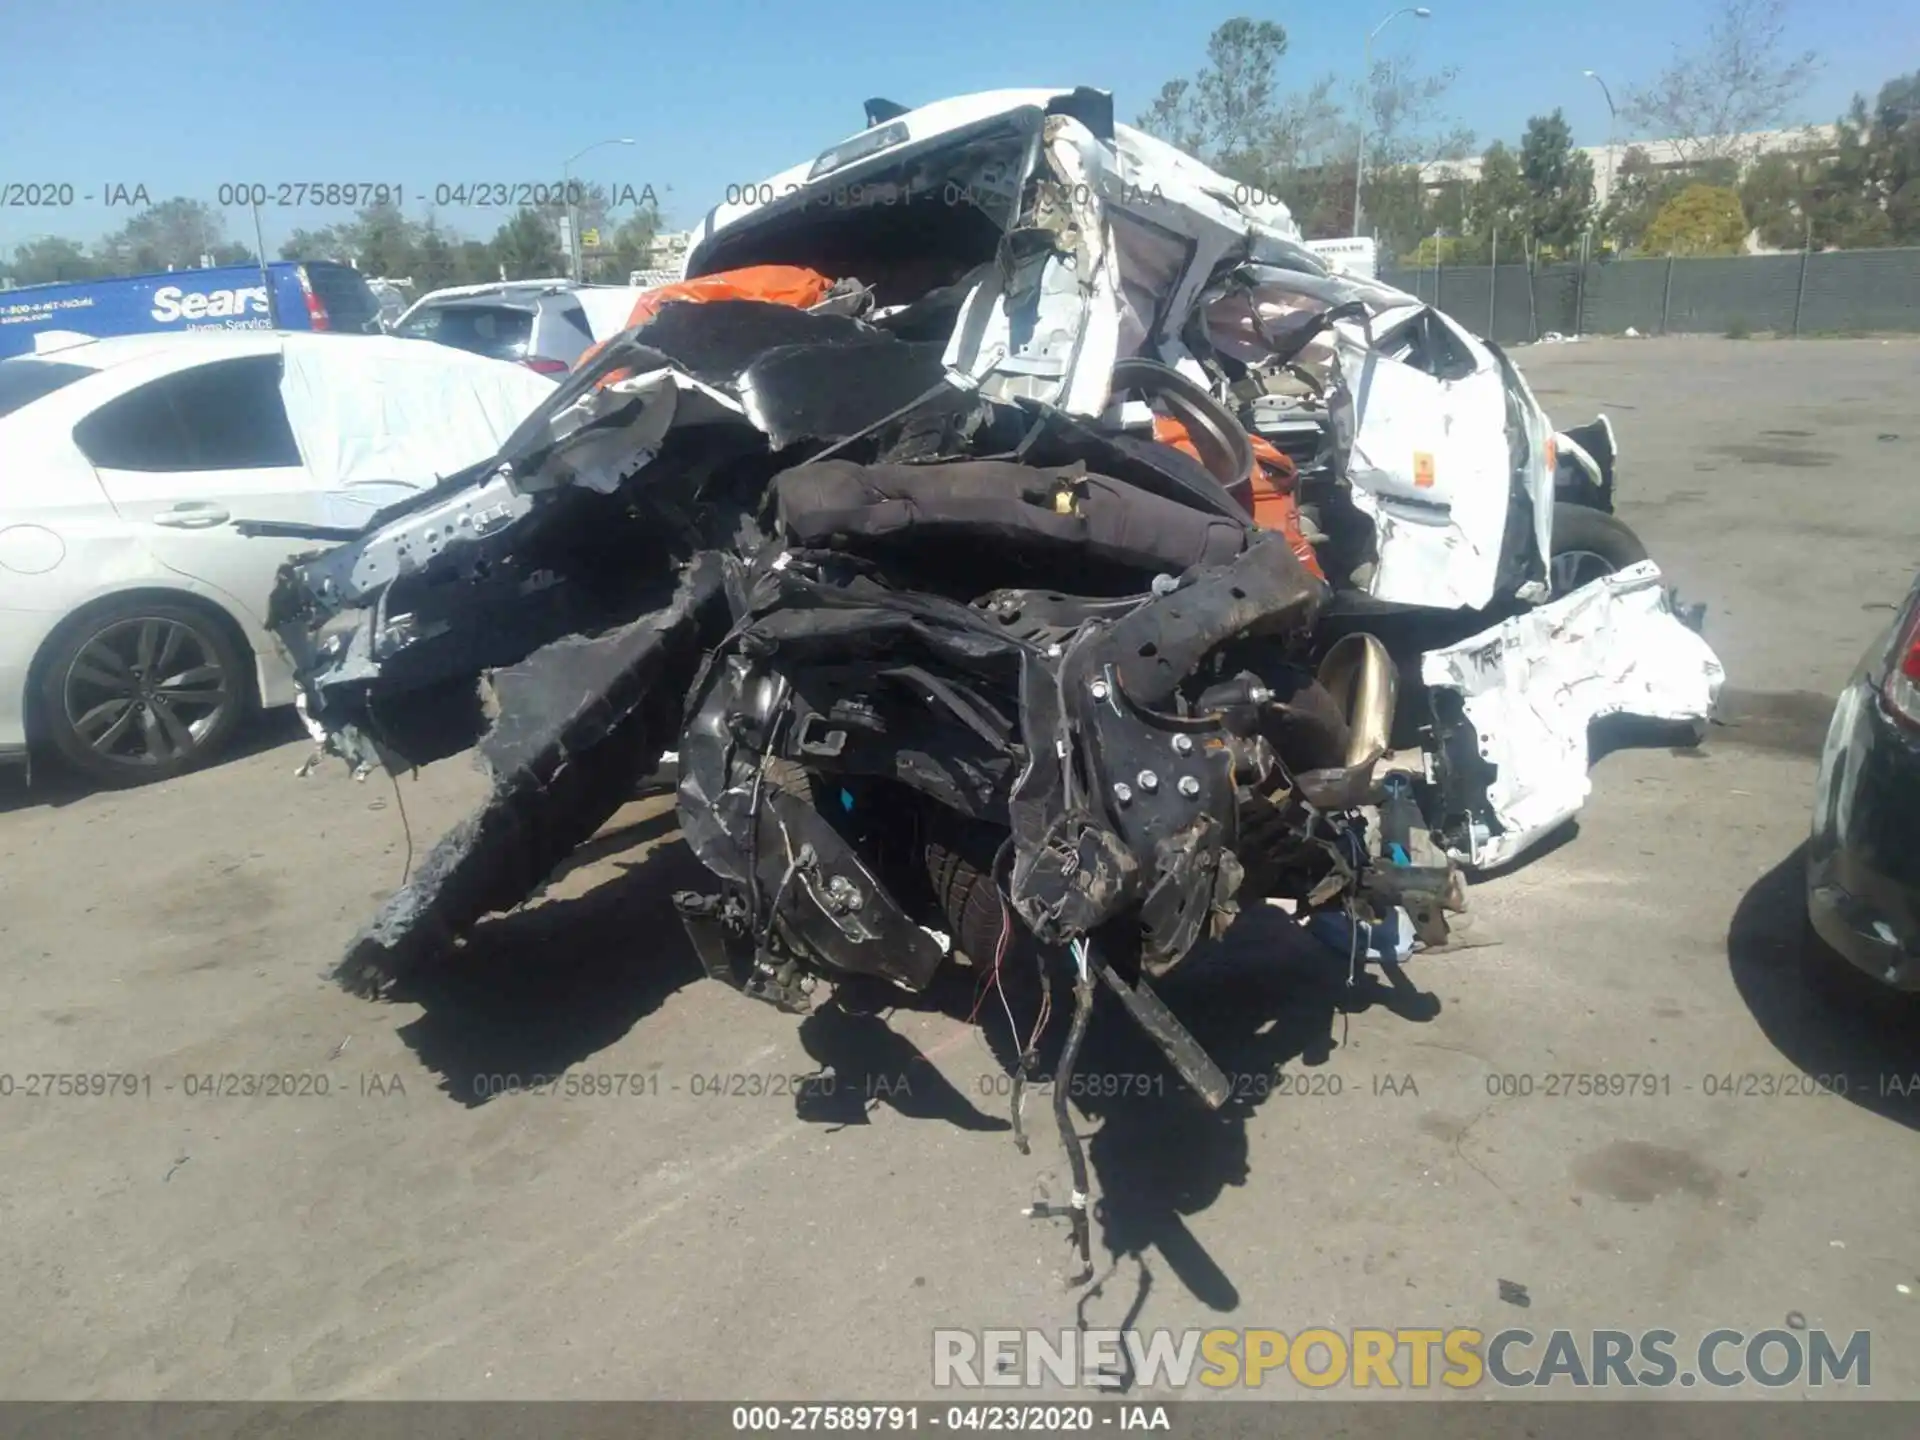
[139, 690]
[1588, 544]
[958, 868]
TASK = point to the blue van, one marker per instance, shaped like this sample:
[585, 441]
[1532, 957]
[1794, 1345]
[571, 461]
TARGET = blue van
[296, 295]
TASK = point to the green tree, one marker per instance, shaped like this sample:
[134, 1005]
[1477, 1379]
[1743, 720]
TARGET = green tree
[1559, 181]
[1778, 194]
[1407, 127]
[1641, 188]
[50, 258]
[175, 234]
[1320, 196]
[326, 244]
[379, 239]
[475, 263]
[435, 262]
[1500, 203]
[528, 248]
[1399, 209]
[385, 241]
[1300, 145]
[1231, 110]
[630, 241]
[1407, 120]
[1868, 193]
[1700, 220]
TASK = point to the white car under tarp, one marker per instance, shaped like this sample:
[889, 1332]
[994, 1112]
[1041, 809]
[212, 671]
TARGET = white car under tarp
[376, 422]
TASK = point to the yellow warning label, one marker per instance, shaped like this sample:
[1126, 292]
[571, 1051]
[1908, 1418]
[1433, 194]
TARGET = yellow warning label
[1423, 469]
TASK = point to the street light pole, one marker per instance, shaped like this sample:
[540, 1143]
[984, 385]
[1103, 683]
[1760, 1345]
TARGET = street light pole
[573, 210]
[1612, 124]
[1419, 12]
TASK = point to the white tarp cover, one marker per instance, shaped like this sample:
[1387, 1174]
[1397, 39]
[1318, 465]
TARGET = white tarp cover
[377, 417]
[607, 307]
[1533, 684]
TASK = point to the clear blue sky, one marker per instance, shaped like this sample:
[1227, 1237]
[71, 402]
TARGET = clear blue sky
[184, 95]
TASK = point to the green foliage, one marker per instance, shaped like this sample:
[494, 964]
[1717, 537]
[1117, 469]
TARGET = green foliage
[1300, 145]
[51, 258]
[175, 234]
[1641, 189]
[1868, 192]
[1776, 194]
[528, 247]
[1559, 183]
[627, 251]
[1230, 108]
[1700, 220]
[1865, 192]
[1445, 250]
[1501, 204]
[381, 240]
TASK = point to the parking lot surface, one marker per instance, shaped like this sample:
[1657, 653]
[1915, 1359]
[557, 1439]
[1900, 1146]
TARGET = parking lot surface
[285, 1191]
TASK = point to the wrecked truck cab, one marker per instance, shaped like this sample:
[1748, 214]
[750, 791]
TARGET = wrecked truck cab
[943, 581]
[1394, 417]
[999, 269]
[1440, 462]
[730, 431]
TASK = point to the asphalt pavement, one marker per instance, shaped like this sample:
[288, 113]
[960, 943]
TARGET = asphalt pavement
[284, 1191]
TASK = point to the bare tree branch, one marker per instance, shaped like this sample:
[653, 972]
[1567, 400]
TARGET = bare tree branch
[1742, 79]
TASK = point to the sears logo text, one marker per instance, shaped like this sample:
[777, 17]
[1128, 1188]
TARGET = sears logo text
[171, 303]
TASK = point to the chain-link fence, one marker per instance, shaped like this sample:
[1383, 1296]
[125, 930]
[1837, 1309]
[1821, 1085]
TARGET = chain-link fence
[1812, 293]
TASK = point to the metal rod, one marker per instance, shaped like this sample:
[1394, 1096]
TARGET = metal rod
[1176, 1042]
[1580, 285]
[1666, 297]
[1063, 1118]
[1800, 295]
[1533, 296]
[266, 280]
[1493, 281]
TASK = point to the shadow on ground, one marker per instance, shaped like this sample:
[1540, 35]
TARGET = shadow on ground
[545, 987]
[48, 782]
[1262, 999]
[1823, 1016]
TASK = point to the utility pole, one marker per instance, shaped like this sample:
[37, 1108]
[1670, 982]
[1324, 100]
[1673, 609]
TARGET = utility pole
[573, 208]
[1419, 12]
[1493, 282]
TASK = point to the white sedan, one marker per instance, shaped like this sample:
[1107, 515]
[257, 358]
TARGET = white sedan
[133, 636]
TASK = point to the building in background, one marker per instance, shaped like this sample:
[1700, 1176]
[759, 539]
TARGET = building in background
[1661, 155]
[666, 256]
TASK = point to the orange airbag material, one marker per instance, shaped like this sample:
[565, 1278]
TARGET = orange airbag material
[773, 284]
[1272, 485]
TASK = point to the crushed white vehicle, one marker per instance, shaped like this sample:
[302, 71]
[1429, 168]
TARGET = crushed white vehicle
[1048, 573]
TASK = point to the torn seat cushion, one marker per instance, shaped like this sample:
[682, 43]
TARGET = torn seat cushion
[839, 504]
